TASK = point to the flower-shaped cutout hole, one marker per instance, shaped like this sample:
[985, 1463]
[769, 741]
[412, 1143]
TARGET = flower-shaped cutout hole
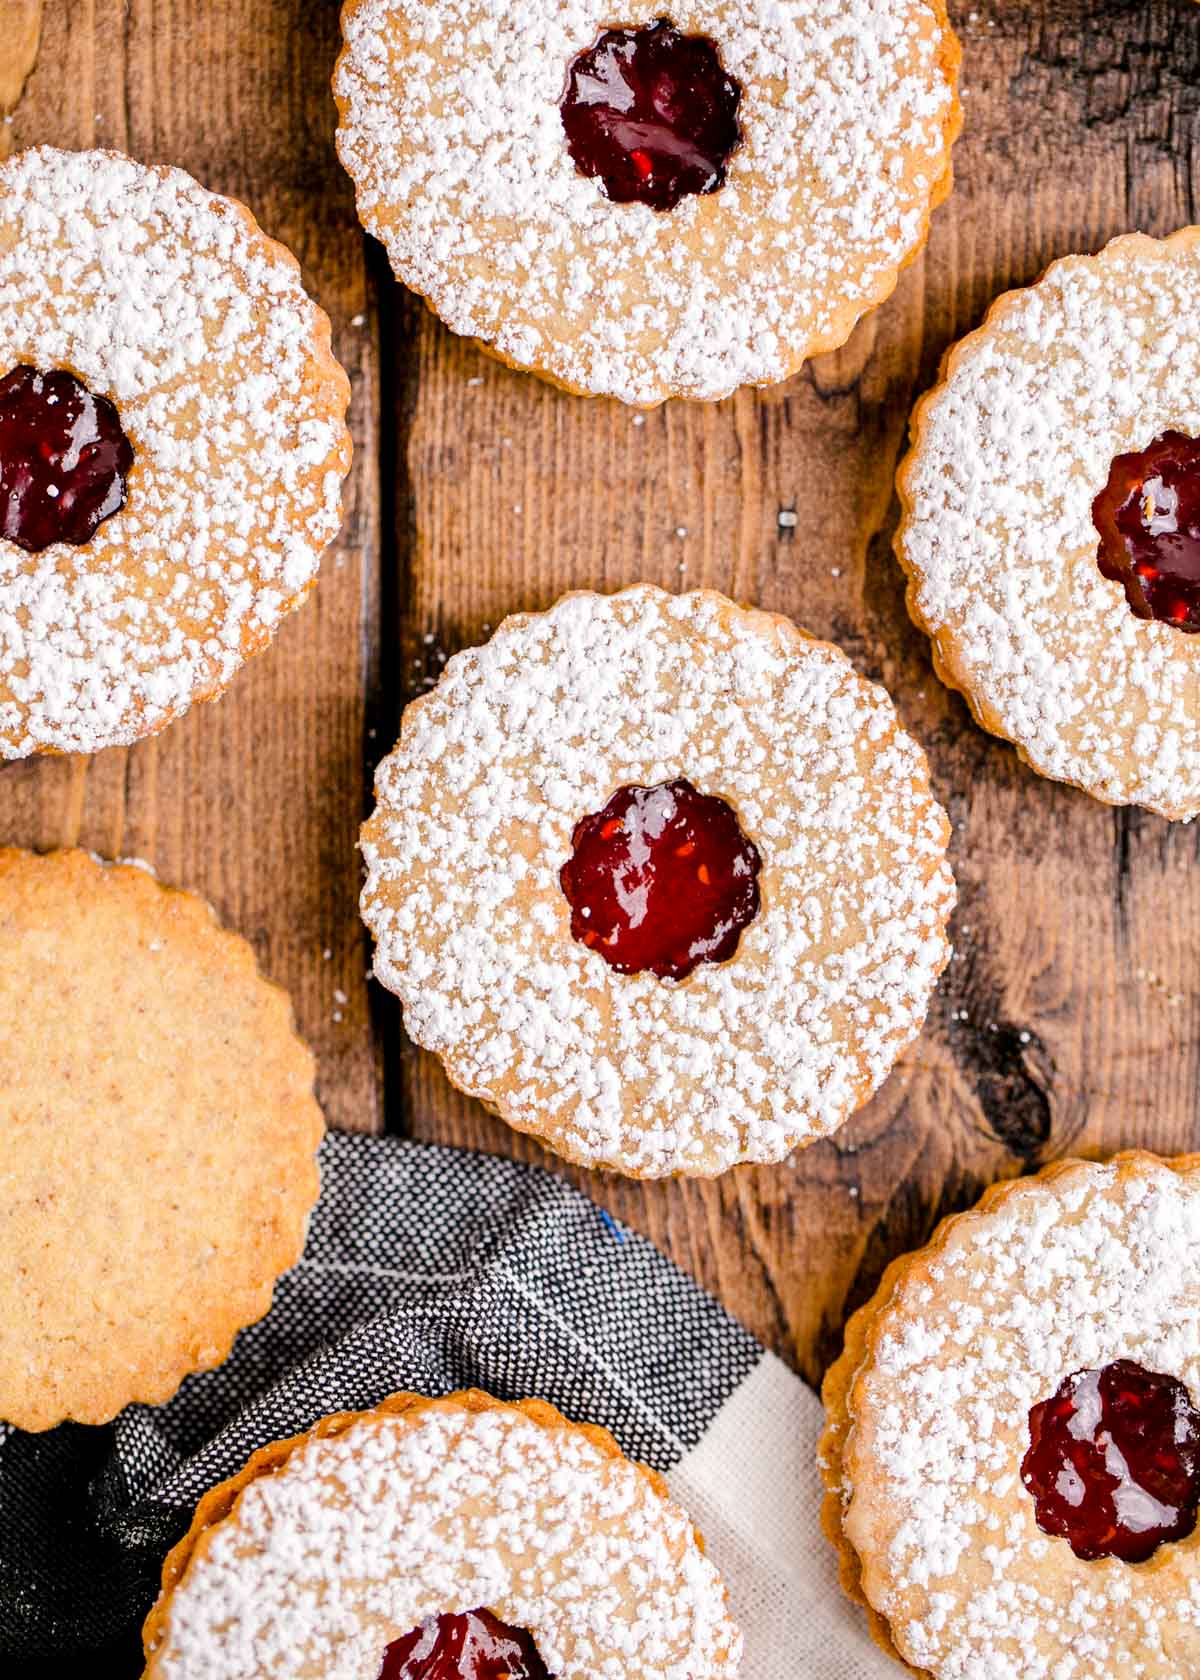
[663, 878]
[653, 114]
[1148, 519]
[64, 459]
[473, 1645]
[1114, 1462]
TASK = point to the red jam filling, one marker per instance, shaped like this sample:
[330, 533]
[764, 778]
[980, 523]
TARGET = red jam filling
[64, 459]
[1148, 517]
[473, 1646]
[652, 113]
[661, 879]
[1114, 1462]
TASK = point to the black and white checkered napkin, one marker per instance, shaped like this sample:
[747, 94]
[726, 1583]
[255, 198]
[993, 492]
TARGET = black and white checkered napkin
[433, 1269]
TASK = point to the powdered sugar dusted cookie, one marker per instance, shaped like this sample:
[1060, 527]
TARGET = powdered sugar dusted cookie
[646, 204]
[172, 446]
[661, 879]
[1051, 528]
[458, 1536]
[1013, 1442]
[157, 1138]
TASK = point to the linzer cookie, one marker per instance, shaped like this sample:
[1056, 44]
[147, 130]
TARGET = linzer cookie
[172, 446]
[1013, 1442]
[645, 205]
[157, 1138]
[431, 1538]
[1051, 522]
[661, 880]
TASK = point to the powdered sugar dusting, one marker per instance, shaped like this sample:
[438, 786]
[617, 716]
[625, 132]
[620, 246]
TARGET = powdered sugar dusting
[452, 131]
[166, 299]
[476, 808]
[1097, 1264]
[1096, 360]
[362, 1536]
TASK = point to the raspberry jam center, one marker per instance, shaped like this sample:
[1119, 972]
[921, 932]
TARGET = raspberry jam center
[473, 1646]
[64, 459]
[1148, 517]
[652, 113]
[661, 879]
[1114, 1462]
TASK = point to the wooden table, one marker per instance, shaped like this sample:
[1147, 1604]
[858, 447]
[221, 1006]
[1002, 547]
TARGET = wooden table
[1069, 1018]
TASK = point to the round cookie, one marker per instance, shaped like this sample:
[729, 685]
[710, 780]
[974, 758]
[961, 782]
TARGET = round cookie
[488, 840]
[452, 130]
[188, 344]
[935, 1499]
[158, 1132]
[1001, 542]
[456, 1506]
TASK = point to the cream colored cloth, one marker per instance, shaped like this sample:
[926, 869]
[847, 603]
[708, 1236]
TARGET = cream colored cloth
[752, 1488]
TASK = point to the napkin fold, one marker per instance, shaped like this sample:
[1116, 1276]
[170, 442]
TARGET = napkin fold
[434, 1269]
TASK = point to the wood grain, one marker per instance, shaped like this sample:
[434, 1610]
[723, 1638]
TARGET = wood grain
[1070, 1016]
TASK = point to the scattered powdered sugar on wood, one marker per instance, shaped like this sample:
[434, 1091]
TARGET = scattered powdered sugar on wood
[168, 300]
[1094, 361]
[1096, 1264]
[476, 809]
[362, 1536]
[452, 132]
